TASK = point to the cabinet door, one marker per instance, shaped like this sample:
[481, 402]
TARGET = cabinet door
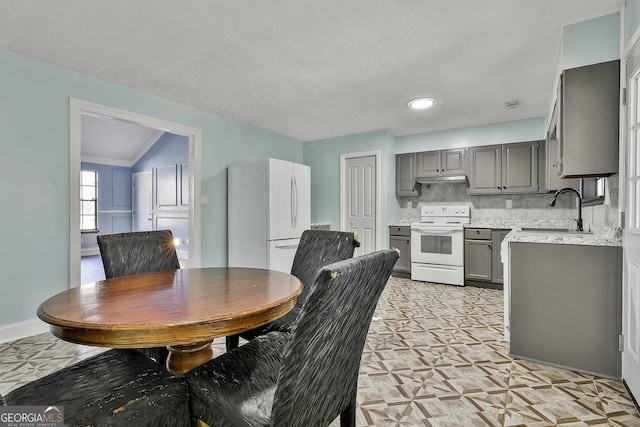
[406, 174]
[403, 244]
[428, 163]
[520, 167]
[552, 167]
[453, 162]
[485, 170]
[497, 270]
[589, 120]
[477, 260]
[281, 185]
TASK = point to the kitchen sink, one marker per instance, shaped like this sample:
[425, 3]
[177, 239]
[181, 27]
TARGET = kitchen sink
[555, 230]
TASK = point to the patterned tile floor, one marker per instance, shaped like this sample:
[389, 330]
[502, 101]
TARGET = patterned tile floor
[435, 356]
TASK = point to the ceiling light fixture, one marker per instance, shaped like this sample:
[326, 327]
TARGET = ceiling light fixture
[421, 103]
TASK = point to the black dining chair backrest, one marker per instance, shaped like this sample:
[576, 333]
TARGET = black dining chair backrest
[124, 254]
[316, 249]
[114, 388]
[307, 377]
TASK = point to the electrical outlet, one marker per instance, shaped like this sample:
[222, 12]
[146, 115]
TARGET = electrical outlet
[509, 204]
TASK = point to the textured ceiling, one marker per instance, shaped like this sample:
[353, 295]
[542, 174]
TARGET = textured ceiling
[313, 69]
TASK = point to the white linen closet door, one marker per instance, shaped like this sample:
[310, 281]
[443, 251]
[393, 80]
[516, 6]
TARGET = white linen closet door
[142, 202]
[361, 201]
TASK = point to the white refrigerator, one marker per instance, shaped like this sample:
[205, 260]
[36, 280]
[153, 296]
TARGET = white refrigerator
[269, 206]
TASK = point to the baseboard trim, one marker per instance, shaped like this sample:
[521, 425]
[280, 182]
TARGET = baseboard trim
[90, 251]
[19, 330]
[633, 399]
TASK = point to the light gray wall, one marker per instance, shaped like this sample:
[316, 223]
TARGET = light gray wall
[324, 158]
[34, 130]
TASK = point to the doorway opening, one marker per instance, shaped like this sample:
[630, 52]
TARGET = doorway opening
[181, 213]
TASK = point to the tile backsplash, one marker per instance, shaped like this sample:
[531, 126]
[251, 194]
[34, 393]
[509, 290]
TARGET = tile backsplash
[522, 206]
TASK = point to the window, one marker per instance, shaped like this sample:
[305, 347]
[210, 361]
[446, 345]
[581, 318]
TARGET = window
[88, 201]
[592, 190]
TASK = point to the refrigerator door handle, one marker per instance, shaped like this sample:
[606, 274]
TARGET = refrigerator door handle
[291, 200]
[295, 214]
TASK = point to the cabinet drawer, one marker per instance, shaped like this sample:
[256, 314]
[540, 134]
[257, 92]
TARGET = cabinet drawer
[477, 233]
[399, 231]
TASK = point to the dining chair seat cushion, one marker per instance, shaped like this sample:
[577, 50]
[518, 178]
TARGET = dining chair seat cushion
[240, 384]
[114, 388]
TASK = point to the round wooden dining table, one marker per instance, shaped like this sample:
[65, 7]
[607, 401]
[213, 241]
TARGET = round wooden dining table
[184, 310]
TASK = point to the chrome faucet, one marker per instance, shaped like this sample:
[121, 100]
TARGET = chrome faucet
[577, 193]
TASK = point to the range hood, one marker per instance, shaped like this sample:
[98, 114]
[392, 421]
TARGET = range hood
[442, 179]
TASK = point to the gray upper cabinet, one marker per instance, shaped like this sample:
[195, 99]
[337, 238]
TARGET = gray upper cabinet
[588, 120]
[553, 181]
[504, 169]
[441, 162]
[485, 169]
[520, 167]
[406, 175]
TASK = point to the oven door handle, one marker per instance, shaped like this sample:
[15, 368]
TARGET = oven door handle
[437, 230]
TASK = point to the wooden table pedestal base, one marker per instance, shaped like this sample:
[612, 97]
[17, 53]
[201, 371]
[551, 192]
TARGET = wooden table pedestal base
[183, 358]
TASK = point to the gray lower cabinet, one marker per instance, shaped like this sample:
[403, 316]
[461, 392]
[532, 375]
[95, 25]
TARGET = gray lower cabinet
[400, 239]
[321, 227]
[406, 175]
[566, 306]
[497, 270]
[477, 254]
[482, 261]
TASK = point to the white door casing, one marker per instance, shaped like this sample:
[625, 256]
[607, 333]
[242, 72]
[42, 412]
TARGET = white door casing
[360, 198]
[631, 233]
[142, 201]
[76, 108]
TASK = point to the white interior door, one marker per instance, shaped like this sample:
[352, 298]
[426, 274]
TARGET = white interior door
[142, 201]
[631, 244]
[360, 197]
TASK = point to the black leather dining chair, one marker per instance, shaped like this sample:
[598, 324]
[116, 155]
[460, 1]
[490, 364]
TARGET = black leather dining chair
[115, 388]
[137, 252]
[316, 249]
[124, 254]
[306, 377]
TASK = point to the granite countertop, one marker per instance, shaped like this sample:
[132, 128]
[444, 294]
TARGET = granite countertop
[563, 238]
[595, 235]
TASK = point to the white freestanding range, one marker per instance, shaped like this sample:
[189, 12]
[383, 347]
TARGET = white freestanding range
[269, 206]
[437, 244]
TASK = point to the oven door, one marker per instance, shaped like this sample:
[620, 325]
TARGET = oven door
[434, 244]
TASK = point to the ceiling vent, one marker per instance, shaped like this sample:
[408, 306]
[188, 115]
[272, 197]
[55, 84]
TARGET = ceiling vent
[515, 103]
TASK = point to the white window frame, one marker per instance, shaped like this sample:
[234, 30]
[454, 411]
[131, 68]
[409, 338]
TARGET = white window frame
[94, 200]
